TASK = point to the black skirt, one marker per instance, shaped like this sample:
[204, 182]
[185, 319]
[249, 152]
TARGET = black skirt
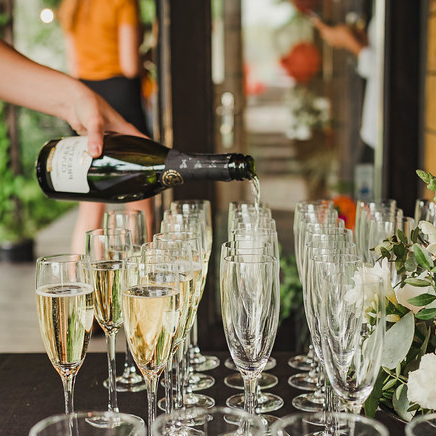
[124, 95]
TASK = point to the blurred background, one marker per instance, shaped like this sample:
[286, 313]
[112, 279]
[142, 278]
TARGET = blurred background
[255, 77]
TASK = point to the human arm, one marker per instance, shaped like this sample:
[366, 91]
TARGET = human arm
[339, 36]
[29, 84]
[71, 55]
[128, 37]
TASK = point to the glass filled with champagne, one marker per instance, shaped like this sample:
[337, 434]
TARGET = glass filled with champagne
[65, 307]
[107, 248]
[151, 306]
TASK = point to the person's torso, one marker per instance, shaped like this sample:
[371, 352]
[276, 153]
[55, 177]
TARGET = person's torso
[96, 37]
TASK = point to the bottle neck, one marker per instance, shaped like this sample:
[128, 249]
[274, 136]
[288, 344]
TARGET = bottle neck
[182, 167]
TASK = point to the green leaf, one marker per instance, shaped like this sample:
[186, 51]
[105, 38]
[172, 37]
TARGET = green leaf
[401, 405]
[398, 340]
[426, 314]
[422, 300]
[424, 176]
[390, 384]
[384, 252]
[420, 283]
[372, 402]
[398, 391]
[422, 256]
[410, 263]
[399, 250]
[402, 236]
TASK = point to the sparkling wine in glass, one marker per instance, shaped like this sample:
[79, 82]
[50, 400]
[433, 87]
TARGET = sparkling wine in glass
[65, 307]
[151, 304]
[133, 220]
[107, 248]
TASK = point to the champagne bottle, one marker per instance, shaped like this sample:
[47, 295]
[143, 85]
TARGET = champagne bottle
[130, 168]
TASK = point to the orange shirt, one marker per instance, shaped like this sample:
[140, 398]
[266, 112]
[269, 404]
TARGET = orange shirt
[95, 36]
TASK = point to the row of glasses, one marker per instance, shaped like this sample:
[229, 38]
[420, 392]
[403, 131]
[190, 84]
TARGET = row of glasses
[193, 269]
[252, 223]
[193, 221]
[305, 362]
[249, 284]
[309, 220]
[318, 236]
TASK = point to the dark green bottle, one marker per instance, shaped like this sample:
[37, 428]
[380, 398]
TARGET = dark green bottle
[130, 168]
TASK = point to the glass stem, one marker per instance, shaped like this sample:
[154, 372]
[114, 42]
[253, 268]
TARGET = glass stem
[250, 394]
[180, 391]
[169, 399]
[152, 380]
[129, 363]
[110, 342]
[68, 383]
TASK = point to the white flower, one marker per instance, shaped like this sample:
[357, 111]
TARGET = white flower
[430, 231]
[409, 291]
[366, 291]
[383, 270]
[420, 387]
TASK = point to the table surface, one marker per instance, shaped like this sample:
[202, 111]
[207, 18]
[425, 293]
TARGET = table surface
[30, 390]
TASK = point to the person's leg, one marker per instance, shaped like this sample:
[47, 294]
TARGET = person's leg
[147, 206]
[89, 218]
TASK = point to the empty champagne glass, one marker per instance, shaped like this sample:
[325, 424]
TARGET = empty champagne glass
[424, 425]
[107, 248]
[65, 307]
[88, 424]
[133, 220]
[326, 424]
[217, 421]
[352, 327]
[250, 300]
[151, 305]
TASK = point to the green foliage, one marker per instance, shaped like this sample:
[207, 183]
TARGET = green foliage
[410, 335]
[23, 207]
[291, 291]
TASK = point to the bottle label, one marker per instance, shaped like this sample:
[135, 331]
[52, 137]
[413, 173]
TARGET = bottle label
[70, 164]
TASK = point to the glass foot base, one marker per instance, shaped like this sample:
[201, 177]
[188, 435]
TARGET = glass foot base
[206, 364]
[266, 402]
[265, 381]
[309, 402]
[131, 383]
[198, 400]
[199, 381]
[303, 382]
[301, 362]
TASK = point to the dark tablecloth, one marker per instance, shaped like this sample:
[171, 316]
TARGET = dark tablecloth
[30, 390]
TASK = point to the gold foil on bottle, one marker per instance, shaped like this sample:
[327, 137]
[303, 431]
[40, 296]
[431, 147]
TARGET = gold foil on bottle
[172, 178]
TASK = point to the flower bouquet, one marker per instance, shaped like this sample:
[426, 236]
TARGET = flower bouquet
[406, 383]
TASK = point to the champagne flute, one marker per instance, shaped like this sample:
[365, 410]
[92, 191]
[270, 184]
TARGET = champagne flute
[107, 248]
[424, 425]
[266, 381]
[133, 220]
[88, 424]
[180, 252]
[352, 327]
[217, 421]
[250, 300]
[325, 424]
[151, 305]
[65, 307]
